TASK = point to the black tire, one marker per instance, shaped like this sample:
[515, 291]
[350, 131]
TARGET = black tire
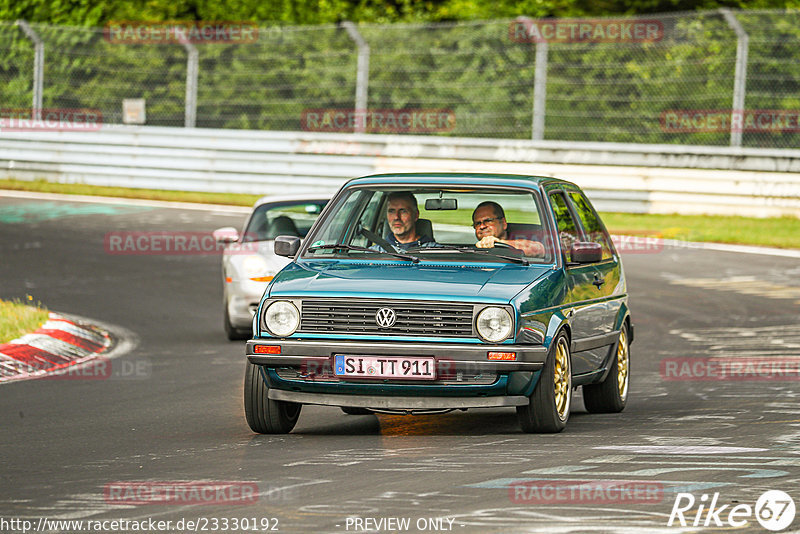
[264, 415]
[233, 333]
[611, 395]
[356, 411]
[548, 408]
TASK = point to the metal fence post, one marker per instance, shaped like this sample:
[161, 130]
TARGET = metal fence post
[362, 73]
[192, 67]
[740, 76]
[38, 67]
[539, 85]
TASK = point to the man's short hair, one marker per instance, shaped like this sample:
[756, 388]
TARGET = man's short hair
[498, 209]
[408, 196]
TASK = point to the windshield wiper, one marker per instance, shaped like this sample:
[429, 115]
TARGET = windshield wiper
[473, 250]
[343, 247]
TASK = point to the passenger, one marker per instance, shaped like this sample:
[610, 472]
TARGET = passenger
[489, 221]
[402, 214]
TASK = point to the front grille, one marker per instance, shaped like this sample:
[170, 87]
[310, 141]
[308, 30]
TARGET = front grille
[413, 318]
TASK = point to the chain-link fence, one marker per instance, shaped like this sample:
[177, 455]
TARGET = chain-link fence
[706, 78]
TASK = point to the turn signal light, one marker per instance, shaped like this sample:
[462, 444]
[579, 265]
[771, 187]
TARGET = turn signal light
[262, 278]
[267, 349]
[506, 356]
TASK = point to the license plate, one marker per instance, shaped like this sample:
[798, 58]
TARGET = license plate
[384, 367]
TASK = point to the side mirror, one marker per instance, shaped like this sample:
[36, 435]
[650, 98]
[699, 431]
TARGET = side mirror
[287, 245]
[226, 235]
[586, 252]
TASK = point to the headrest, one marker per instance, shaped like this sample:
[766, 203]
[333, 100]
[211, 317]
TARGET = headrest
[282, 225]
[424, 227]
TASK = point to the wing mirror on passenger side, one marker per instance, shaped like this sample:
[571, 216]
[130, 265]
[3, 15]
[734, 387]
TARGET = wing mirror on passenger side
[226, 235]
[586, 252]
[287, 245]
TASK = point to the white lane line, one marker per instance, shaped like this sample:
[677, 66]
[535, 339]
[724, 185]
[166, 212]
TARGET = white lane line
[222, 208]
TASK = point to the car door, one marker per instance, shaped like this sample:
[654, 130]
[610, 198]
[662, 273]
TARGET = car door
[608, 281]
[608, 277]
[582, 297]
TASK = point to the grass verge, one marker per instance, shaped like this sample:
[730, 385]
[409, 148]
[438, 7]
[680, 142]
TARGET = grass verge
[780, 232]
[18, 318]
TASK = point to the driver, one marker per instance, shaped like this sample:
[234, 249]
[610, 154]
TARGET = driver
[489, 221]
[402, 214]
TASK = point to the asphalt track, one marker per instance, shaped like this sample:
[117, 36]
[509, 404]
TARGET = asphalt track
[172, 409]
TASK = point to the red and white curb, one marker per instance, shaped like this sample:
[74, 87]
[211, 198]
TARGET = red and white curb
[58, 345]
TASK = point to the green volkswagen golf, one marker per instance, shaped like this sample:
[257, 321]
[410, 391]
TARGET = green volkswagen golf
[427, 293]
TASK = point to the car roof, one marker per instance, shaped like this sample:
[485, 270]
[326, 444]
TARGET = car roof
[269, 199]
[458, 178]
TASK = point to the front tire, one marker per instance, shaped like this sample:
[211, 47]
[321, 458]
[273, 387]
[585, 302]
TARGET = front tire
[549, 405]
[611, 395]
[264, 415]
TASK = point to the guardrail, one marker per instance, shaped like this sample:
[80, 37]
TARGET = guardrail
[620, 177]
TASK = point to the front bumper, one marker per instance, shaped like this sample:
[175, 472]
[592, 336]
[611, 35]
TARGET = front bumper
[297, 353]
[468, 379]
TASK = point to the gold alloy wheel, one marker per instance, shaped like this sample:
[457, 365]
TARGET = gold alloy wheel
[623, 358]
[561, 380]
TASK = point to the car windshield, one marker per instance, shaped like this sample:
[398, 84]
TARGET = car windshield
[434, 224]
[295, 218]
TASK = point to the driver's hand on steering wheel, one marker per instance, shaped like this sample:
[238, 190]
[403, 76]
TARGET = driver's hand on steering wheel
[488, 242]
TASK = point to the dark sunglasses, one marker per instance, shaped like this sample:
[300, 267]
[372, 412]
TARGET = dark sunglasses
[488, 220]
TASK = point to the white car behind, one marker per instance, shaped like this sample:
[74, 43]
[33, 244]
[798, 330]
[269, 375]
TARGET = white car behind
[248, 260]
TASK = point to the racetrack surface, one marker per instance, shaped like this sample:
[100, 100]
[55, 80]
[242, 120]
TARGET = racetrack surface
[172, 410]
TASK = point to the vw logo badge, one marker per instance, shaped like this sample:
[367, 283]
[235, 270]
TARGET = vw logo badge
[386, 317]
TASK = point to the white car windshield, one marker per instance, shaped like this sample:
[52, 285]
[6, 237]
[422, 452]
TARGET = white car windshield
[293, 218]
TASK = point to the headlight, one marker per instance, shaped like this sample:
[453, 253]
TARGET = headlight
[282, 318]
[494, 324]
[254, 266]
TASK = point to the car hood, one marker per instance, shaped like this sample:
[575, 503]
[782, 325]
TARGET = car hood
[471, 282]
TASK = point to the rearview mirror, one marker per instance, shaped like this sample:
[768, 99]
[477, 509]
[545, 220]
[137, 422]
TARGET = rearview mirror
[287, 245]
[433, 204]
[586, 252]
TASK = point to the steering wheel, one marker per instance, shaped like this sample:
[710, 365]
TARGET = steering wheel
[503, 245]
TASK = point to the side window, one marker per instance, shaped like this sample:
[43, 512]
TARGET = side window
[567, 230]
[591, 223]
[333, 230]
[369, 218]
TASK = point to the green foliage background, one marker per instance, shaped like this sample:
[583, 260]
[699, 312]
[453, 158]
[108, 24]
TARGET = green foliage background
[450, 54]
[302, 12]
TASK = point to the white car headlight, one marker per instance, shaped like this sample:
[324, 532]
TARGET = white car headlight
[254, 266]
[282, 318]
[494, 324]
